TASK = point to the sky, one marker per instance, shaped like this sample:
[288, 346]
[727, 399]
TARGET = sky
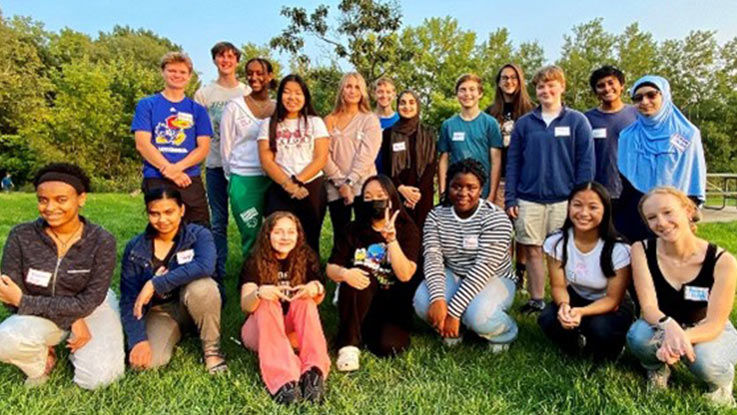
[196, 26]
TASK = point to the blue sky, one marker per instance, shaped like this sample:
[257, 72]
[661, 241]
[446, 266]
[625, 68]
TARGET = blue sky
[197, 25]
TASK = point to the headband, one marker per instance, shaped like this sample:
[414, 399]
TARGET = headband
[69, 179]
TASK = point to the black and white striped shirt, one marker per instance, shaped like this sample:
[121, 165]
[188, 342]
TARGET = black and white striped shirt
[475, 249]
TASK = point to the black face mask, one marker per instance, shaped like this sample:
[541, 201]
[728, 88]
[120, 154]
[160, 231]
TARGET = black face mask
[374, 209]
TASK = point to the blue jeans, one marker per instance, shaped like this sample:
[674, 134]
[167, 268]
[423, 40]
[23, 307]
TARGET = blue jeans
[714, 362]
[217, 195]
[485, 315]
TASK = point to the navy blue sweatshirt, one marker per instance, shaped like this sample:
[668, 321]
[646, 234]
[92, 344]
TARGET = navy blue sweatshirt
[545, 163]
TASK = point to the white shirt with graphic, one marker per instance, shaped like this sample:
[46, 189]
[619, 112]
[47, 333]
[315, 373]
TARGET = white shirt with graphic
[214, 97]
[295, 142]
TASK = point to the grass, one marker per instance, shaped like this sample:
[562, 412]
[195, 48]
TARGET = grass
[532, 378]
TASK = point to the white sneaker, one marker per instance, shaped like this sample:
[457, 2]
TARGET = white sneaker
[658, 379]
[497, 348]
[348, 357]
[31, 383]
[722, 396]
[452, 341]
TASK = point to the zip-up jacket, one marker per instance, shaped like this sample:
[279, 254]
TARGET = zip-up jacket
[194, 257]
[64, 289]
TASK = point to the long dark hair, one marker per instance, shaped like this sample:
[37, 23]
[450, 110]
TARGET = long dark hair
[467, 165]
[281, 112]
[521, 101]
[606, 229]
[391, 191]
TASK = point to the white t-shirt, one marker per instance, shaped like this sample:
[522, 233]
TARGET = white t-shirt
[295, 142]
[583, 270]
[215, 97]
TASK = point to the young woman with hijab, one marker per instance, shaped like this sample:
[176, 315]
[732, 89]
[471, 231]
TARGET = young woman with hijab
[411, 158]
[661, 148]
[56, 274]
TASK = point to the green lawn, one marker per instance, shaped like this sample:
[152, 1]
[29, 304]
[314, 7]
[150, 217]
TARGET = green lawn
[533, 377]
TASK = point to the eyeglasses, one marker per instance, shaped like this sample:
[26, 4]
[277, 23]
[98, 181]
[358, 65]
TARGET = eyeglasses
[508, 78]
[649, 94]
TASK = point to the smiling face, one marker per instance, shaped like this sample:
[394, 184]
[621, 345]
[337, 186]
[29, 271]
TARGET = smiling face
[165, 215]
[283, 237]
[351, 93]
[508, 81]
[667, 216]
[648, 100]
[58, 203]
[257, 75]
[464, 192]
[385, 95]
[608, 89]
[176, 75]
[468, 94]
[586, 210]
[226, 62]
[293, 99]
[549, 93]
[407, 106]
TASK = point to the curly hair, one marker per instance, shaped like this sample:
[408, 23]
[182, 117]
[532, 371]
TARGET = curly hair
[266, 263]
[467, 165]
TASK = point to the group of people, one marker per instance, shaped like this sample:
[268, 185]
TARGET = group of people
[542, 184]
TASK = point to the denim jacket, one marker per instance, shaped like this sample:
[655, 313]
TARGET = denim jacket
[194, 257]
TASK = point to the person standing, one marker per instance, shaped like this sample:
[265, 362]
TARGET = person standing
[172, 134]
[384, 93]
[214, 97]
[7, 183]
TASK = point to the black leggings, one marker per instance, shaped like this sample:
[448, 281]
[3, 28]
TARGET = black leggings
[310, 211]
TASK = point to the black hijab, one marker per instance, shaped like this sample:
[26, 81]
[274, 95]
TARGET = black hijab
[407, 130]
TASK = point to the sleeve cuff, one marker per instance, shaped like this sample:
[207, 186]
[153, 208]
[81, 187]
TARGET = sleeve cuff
[161, 285]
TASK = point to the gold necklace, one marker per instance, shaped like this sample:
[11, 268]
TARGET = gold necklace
[259, 106]
[65, 244]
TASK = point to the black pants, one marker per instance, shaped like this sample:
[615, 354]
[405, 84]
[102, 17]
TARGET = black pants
[604, 333]
[378, 317]
[340, 216]
[310, 211]
[195, 202]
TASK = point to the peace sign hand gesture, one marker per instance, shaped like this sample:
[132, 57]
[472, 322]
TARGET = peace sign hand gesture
[388, 231]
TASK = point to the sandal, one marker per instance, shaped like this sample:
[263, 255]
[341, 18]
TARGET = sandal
[220, 366]
[348, 359]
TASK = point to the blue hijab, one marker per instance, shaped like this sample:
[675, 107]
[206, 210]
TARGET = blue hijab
[663, 149]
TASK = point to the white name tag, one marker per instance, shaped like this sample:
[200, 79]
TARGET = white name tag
[185, 117]
[562, 131]
[696, 293]
[599, 132]
[679, 142]
[400, 146]
[459, 136]
[185, 256]
[470, 242]
[36, 277]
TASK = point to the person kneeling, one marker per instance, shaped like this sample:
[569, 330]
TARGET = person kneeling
[280, 292]
[468, 269]
[165, 286]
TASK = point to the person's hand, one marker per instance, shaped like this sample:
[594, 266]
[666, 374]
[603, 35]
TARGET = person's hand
[182, 180]
[411, 195]
[513, 211]
[271, 292]
[356, 278]
[80, 335]
[291, 188]
[667, 357]
[346, 193]
[575, 316]
[436, 314]
[564, 316]
[389, 231]
[301, 193]
[144, 297]
[676, 342]
[140, 356]
[451, 327]
[10, 292]
[310, 290]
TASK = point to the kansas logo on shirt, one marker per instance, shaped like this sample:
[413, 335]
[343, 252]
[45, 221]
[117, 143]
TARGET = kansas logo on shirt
[172, 129]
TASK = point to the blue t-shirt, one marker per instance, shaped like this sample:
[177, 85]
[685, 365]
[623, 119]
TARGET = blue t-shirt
[386, 122]
[174, 128]
[606, 127]
[471, 139]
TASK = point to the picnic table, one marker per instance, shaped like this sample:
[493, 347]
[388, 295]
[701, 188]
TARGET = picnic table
[718, 184]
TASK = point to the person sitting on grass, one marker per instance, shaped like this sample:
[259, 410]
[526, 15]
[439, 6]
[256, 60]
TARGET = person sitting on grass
[375, 260]
[686, 288]
[589, 268]
[56, 275]
[281, 288]
[166, 286]
[468, 268]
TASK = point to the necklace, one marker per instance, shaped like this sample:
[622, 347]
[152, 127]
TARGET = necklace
[63, 243]
[257, 104]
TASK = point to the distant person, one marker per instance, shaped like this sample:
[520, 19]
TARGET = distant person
[589, 268]
[551, 151]
[56, 274]
[661, 148]
[214, 97]
[7, 183]
[172, 134]
[686, 288]
[385, 93]
[471, 133]
[281, 289]
[239, 129]
[168, 286]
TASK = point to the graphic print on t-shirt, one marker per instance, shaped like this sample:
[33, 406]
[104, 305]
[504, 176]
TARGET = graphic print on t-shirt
[375, 260]
[172, 131]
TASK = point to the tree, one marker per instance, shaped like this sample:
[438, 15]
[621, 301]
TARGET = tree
[636, 53]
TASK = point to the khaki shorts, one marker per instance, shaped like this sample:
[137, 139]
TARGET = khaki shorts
[536, 220]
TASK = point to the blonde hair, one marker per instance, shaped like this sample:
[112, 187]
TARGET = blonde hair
[384, 80]
[363, 104]
[470, 77]
[176, 57]
[694, 214]
[550, 73]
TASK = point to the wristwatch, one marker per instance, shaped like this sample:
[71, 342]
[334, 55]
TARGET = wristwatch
[662, 322]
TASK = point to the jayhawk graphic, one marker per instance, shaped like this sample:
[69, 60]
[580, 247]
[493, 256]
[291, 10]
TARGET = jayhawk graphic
[172, 129]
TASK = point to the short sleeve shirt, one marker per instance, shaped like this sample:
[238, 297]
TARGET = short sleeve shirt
[295, 142]
[249, 273]
[606, 128]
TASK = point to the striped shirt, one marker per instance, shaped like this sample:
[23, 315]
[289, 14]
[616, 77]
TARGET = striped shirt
[475, 249]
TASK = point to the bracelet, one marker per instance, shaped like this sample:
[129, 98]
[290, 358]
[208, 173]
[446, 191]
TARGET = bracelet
[663, 321]
[297, 181]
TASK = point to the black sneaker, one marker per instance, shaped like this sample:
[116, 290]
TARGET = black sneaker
[288, 394]
[313, 385]
[532, 306]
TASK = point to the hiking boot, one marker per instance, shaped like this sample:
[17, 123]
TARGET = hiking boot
[312, 384]
[288, 394]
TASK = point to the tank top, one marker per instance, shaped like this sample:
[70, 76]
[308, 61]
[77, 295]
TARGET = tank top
[687, 305]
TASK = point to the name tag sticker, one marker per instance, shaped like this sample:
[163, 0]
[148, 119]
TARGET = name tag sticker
[185, 117]
[562, 131]
[679, 142]
[470, 242]
[185, 256]
[696, 293]
[459, 136]
[599, 132]
[400, 146]
[36, 277]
